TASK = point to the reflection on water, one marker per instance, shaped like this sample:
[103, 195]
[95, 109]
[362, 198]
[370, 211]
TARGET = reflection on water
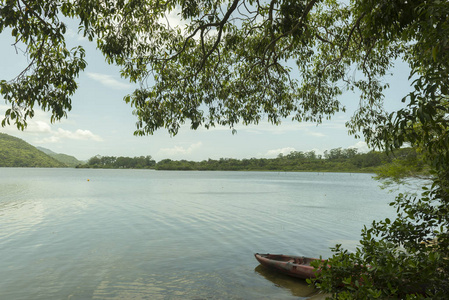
[139, 234]
[179, 285]
[18, 217]
[298, 287]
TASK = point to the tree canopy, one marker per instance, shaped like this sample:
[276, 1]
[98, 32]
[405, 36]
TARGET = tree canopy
[225, 62]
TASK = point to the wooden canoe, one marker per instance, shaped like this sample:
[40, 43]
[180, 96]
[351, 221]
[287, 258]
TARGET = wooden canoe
[296, 266]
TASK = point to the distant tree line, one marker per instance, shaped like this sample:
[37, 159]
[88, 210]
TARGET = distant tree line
[121, 162]
[335, 160]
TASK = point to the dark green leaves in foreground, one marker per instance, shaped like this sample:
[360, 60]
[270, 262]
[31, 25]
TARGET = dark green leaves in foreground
[48, 80]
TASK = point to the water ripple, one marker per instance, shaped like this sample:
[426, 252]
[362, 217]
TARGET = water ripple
[169, 235]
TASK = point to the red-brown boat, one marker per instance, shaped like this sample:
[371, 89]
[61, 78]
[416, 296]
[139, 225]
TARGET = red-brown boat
[296, 266]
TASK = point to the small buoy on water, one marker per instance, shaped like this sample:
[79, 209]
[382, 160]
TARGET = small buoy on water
[88, 179]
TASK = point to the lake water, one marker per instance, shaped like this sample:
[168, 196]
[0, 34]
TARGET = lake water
[144, 234]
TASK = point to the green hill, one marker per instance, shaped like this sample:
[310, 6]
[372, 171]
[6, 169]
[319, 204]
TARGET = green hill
[15, 152]
[68, 160]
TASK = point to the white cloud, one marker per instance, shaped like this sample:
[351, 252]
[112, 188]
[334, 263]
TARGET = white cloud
[79, 134]
[38, 127]
[361, 147]
[308, 128]
[178, 150]
[315, 133]
[41, 131]
[61, 134]
[71, 33]
[276, 152]
[317, 151]
[34, 126]
[108, 80]
[48, 140]
[173, 19]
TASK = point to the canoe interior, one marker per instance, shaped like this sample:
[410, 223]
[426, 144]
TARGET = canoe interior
[296, 266]
[300, 260]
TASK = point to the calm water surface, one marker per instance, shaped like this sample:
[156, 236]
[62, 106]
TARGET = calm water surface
[142, 234]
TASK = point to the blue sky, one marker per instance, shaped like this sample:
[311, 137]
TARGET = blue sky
[100, 122]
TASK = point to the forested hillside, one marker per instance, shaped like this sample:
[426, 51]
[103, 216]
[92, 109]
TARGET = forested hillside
[15, 152]
[68, 160]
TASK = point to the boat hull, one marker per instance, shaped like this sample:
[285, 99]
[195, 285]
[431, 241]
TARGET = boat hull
[296, 266]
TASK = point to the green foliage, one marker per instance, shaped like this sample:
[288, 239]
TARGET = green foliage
[49, 78]
[15, 152]
[232, 63]
[296, 161]
[67, 160]
[406, 163]
[335, 160]
[380, 269]
[402, 264]
[112, 162]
